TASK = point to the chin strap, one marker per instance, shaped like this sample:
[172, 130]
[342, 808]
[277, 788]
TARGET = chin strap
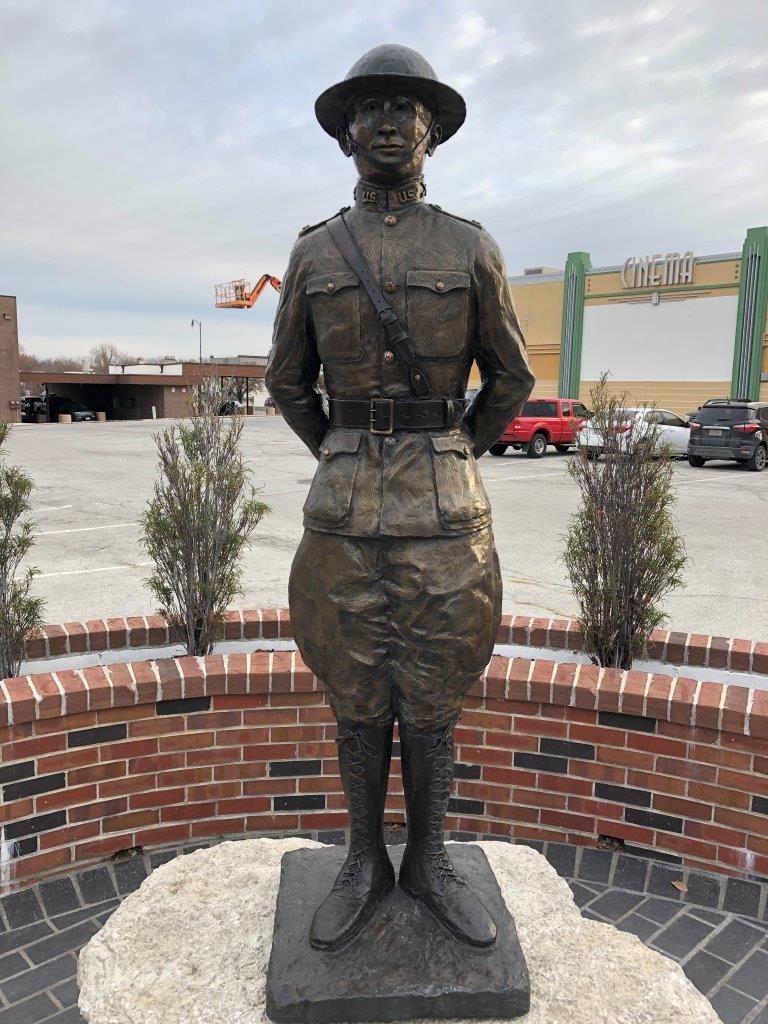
[343, 133]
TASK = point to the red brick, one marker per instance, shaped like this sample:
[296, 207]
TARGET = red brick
[27, 866]
[718, 652]
[586, 691]
[561, 819]
[186, 741]
[657, 645]
[535, 798]
[16, 809]
[608, 694]
[740, 820]
[170, 687]
[508, 776]
[656, 744]
[741, 655]
[592, 770]
[597, 808]
[742, 859]
[270, 623]
[623, 830]
[657, 783]
[217, 827]
[690, 847]
[117, 634]
[714, 833]
[734, 708]
[162, 835]
[758, 717]
[628, 758]
[697, 649]
[127, 748]
[67, 797]
[239, 771]
[633, 694]
[147, 683]
[156, 763]
[512, 812]
[245, 805]
[187, 776]
[97, 809]
[22, 699]
[188, 811]
[718, 755]
[69, 835]
[127, 785]
[218, 755]
[156, 798]
[565, 784]
[682, 808]
[484, 756]
[130, 821]
[96, 773]
[686, 769]
[681, 705]
[521, 627]
[280, 681]
[598, 734]
[707, 709]
[737, 780]
[558, 633]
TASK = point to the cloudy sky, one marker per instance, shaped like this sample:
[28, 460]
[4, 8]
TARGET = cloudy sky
[153, 149]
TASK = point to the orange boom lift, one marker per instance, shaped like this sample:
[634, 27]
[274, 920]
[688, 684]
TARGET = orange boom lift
[239, 294]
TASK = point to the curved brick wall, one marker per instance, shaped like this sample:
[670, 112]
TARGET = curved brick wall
[143, 754]
[694, 649]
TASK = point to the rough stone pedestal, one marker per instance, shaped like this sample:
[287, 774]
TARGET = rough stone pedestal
[191, 947]
[403, 965]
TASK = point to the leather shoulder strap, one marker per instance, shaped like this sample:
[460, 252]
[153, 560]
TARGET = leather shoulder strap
[397, 335]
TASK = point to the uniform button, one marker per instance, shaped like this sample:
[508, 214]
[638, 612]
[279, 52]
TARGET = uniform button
[389, 357]
[330, 286]
[390, 219]
[326, 451]
[389, 440]
[440, 285]
[390, 287]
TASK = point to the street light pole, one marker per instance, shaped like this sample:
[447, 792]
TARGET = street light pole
[199, 324]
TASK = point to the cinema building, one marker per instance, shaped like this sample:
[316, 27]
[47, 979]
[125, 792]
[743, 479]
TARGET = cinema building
[670, 328]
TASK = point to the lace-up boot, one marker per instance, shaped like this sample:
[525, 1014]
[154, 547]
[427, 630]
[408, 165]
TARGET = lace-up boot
[367, 875]
[427, 873]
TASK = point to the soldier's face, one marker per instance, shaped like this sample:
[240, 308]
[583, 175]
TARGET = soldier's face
[393, 133]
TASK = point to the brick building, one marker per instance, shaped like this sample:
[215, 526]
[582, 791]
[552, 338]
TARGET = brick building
[9, 360]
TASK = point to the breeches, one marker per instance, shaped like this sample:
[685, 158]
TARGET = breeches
[396, 626]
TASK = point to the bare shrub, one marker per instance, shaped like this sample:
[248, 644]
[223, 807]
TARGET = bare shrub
[622, 551]
[20, 613]
[200, 519]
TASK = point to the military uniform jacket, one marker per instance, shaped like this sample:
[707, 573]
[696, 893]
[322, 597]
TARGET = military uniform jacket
[446, 280]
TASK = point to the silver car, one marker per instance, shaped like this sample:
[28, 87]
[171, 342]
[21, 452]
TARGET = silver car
[671, 430]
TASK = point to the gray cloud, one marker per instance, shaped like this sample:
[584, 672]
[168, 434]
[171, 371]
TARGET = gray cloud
[152, 150]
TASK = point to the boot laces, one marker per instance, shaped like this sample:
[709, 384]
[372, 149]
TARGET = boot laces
[360, 845]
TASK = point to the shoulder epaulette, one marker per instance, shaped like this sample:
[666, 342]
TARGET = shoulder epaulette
[475, 223]
[311, 227]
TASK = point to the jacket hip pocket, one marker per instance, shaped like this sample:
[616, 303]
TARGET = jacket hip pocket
[334, 302]
[330, 496]
[438, 311]
[461, 497]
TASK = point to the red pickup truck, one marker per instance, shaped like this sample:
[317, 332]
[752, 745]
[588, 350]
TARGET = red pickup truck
[543, 421]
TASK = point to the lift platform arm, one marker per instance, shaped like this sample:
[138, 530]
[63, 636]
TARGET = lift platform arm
[239, 295]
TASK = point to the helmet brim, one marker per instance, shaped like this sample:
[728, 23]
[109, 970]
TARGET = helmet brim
[449, 107]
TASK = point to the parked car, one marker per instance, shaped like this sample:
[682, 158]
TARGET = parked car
[68, 406]
[543, 421]
[726, 428]
[231, 407]
[671, 430]
[31, 406]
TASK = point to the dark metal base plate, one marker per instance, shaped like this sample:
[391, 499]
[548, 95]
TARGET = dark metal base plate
[403, 965]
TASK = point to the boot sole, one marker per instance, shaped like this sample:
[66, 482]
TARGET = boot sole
[427, 904]
[364, 920]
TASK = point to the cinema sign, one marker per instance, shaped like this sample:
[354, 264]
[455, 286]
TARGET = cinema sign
[650, 271]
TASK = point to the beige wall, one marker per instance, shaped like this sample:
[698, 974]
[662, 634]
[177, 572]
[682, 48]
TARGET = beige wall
[677, 396]
[718, 272]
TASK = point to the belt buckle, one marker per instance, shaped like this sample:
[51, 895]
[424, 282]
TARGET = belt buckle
[390, 403]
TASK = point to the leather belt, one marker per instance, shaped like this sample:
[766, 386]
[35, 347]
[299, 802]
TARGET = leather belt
[386, 415]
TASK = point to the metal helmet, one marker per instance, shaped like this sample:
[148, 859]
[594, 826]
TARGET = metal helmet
[396, 67]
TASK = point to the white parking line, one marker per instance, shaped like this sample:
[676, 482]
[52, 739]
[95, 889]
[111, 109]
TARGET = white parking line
[527, 476]
[83, 572]
[53, 508]
[86, 529]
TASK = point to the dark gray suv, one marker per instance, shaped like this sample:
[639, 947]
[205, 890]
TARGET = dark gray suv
[730, 428]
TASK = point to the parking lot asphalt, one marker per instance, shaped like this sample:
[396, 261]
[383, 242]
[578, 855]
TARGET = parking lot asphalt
[93, 479]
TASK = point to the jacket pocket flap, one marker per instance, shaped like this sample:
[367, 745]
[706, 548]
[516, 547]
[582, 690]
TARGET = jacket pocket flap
[329, 284]
[343, 442]
[446, 443]
[439, 281]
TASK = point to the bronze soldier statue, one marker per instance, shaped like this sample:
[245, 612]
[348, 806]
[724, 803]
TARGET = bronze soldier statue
[395, 589]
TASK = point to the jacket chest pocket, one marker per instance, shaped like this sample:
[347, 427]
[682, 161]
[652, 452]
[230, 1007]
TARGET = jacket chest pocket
[330, 497]
[438, 311]
[334, 302]
[461, 496]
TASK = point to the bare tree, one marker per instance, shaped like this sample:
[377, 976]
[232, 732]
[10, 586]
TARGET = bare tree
[20, 613]
[102, 356]
[622, 551]
[52, 364]
[241, 387]
[200, 519]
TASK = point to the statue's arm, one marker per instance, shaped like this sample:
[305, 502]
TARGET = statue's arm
[506, 378]
[294, 365]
